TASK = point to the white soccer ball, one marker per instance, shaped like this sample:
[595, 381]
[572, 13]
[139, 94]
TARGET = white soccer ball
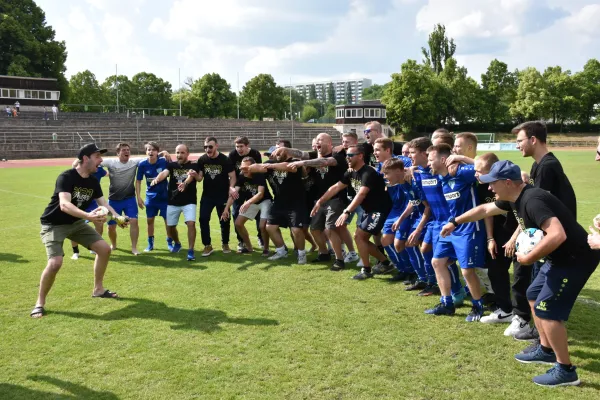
[528, 239]
[102, 210]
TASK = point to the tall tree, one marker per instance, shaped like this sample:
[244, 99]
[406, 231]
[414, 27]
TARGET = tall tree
[440, 49]
[261, 97]
[309, 112]
[374, 92]
[459, 97]
[587, 83]
[127, 94]
[214, 96]
[561, 94]
[28, 46]
[348, 96]
[85, 90]
[531, 101]
[409, 97]
[499, 91]
[151, 91]
[330, 93]
[312, 92]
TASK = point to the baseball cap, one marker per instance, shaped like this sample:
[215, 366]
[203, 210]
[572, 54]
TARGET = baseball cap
[270, 151]
[502, 171]
[89, 149]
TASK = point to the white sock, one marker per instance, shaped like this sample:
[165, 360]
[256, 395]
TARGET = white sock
[281, 249]
[301, 252]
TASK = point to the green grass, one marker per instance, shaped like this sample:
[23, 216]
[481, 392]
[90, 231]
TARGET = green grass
[242, 327]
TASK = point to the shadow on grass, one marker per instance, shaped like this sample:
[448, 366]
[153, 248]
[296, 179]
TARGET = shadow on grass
[10, 391]
[151, 260]
[13, 258]
[201, 319]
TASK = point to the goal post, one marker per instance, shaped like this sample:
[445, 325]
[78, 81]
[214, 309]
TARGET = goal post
[485, 137]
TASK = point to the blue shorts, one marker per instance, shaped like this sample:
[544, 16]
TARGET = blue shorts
[555, 290]
[92, 207]
[126, 206]
[402, 233]
[156, 207]
[432, 235]
[468, 249]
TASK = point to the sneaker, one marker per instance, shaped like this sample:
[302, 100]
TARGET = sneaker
[532, 347]
[75, 256]
[475, 314]
[170, 244]
[176, 248]
[360, 263]
[558, 376]
[302, 258]
[382, 269]
[260, 242]
[441, 309]
[208, 250]
[322, 258]
[265, 253]
[497, 316]
[244, 250]
[399, 277]
[278, 255]
[351, 256]
[418, 285]
[518, 325]
[226, 249]
[459, 298]
[240, 247]
[150, 245]
[338, 265]
[538, 356]
[430, 289]
[362, 275]
[191, 256]
[410, 278]
[529, 334]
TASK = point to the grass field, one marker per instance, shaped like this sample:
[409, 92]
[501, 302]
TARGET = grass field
[242, 327]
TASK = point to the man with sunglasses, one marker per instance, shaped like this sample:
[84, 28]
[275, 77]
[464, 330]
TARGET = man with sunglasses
[371, 195]
[373, 131]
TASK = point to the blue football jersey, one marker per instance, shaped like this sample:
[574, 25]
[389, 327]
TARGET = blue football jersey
[148, 172]
[399, 200]
[459, 192]
[430, 189]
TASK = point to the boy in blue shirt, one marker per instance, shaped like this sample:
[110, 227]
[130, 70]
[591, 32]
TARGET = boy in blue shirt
[157, 195]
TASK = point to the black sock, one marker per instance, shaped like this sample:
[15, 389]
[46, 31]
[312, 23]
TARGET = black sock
[547, 350]
[566, 367]
[76, 249]
[340, 261]
[367, 269]
[386, 262]
[381, 249]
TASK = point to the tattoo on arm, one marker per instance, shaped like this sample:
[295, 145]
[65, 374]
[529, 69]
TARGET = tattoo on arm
[321, 162]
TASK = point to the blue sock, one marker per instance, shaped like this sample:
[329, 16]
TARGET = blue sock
[478, 304]
[447, 300]
[456, 285]
[169, 240]
[427, 257]
[408, 268]
[416, 260]
[394, 257]
[151, 241]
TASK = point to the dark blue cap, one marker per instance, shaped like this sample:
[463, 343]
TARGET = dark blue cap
[270, 151]
[502, 171]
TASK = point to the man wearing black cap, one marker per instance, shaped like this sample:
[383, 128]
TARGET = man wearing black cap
[64, 219]
[569, 262]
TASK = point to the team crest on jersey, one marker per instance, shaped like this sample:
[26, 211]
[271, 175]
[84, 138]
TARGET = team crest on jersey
[355, 183]
[429, 182]
[81, 195]
[451, 183]
[322, 171]
[280, 176]
[212, 170]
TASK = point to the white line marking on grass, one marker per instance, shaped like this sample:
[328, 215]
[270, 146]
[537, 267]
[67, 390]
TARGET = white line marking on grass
[589, 302]
[24, 194]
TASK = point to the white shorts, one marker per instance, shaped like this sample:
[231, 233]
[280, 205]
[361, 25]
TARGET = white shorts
[173, 213]
[264, 207]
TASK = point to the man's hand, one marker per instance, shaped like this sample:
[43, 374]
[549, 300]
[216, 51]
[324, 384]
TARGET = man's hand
[225, 215]
[454, 159]
[154, 182]
[452, 169]
[396, 225]
[193, 173]
[233, 193]
[447, 229]
[594, 239]
[94, 216]
[509, 248]
[315, 209]
[245, 207]
[492, 248]
[341, 221]
[122, 221]
[140, 203]
[413, 238]
[295, 165]
[181, 186]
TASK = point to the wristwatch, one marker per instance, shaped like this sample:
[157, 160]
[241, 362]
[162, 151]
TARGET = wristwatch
[452, 220]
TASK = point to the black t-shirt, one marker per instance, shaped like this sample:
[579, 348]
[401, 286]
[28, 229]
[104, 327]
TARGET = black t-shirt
[535, 206]
[236, 159]
[287, 186]
[83, 191]
[370, 152]
[549, 175]
[216, 175]
[377, 200]
[311, 190]
[249, 186]
[178, 173]
[326, 177]
[504, 224]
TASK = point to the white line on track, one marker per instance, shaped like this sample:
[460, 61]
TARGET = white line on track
[24, 194]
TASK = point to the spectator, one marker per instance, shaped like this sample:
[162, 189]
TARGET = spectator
[17, 106]
[45, 114]
[55, 112]
[8, 112]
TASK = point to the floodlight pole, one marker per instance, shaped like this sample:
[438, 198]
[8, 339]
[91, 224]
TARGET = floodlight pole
[117, 85]
[238, 95]
[180, 93]
[291, 112]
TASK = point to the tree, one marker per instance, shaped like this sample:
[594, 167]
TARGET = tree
[374, 92]
[459, 97]
[409, 97]
[330, 93]
[85, 89]
[531, 101]
[309, 112]
[330, 113]
[214, 97]
[151, 91]
[561, 94]
[312, 92]
[261, 97]
[499, 89]
[318, 105]
[587, 85]
[440, 49]
[27, 44]
[126, 91]
[348, 96]
[297, 101]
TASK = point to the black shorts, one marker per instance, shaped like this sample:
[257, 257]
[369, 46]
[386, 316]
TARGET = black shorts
[373, 222]
[295, 217]
[555, 290]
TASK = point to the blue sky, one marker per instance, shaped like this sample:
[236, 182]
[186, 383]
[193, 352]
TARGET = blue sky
[316, 39]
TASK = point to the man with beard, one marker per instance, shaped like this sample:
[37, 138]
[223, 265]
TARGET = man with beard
[182, 198]
[370, 194]
[64, 219]
[373, 131]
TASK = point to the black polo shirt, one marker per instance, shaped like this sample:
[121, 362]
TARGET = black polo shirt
[549, 175]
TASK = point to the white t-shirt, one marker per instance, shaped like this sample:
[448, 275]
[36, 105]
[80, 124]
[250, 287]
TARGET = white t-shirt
[54, 109]
[122, 177]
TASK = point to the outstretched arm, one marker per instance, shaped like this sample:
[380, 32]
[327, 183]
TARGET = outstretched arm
[475, 214]
[316, 163]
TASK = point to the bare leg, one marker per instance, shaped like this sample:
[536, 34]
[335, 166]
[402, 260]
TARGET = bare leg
[134, 233]
[309, 238]
[191, 234]
[299, 237]
[173, 233]
[264, 234]
[47, 279]
[555, 333]
[150, 226]
[275, 235]
[336, 242]
[442, 273]
[112, 235]
[346, 237]
[473, 282]
[362, 243]
[243, 232]
[320, 239]
[99, 228]
[102, 251]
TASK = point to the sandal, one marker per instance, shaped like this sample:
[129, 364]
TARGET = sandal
[37, 312]
[107, 295]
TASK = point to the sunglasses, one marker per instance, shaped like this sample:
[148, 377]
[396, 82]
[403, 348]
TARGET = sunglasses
[367, 132]
[350, 155]
[209, 147]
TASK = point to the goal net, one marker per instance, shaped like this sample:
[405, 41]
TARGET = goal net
[485, 137]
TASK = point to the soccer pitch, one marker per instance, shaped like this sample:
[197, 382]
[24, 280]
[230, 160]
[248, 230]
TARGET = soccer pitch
[233, 326]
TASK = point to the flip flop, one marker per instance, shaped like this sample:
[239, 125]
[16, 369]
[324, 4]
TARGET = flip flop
[37, 310]
[107, 295]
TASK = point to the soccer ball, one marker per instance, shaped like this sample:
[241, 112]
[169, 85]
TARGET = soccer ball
[597, 221]
[528, 239]
[102, 210]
